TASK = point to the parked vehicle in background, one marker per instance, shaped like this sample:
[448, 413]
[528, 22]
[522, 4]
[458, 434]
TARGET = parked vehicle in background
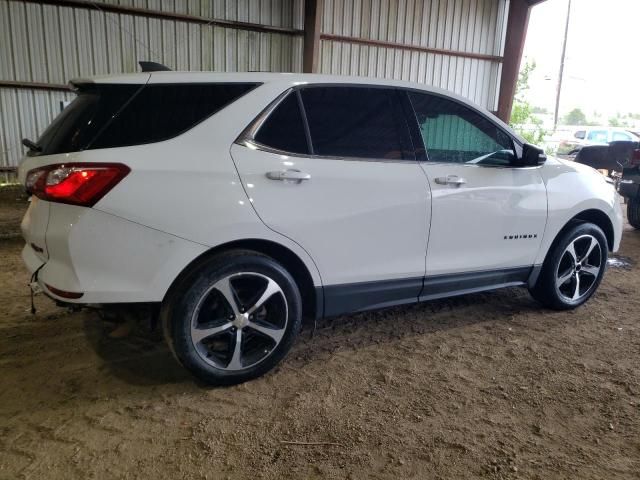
[621, 161]
[630, 187]
[595, 136]
[239, 203]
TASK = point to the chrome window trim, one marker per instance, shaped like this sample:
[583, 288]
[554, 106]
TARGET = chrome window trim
[253, 145]
[247, 137]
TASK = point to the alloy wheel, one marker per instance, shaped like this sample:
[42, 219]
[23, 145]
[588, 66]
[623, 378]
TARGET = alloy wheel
[239, 321]
[579, 268]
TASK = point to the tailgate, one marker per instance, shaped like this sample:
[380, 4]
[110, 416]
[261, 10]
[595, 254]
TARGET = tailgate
[36, 220]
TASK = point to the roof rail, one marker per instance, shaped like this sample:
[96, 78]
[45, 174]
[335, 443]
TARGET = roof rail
[153, 67]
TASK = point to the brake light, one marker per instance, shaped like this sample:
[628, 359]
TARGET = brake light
[75, 183]
[635, 158]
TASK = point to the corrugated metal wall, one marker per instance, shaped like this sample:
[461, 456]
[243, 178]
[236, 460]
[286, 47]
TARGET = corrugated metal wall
[474, 26]
[52, 44]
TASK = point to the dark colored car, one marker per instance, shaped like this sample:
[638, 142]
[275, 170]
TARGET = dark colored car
[630, 186]
[616, 157]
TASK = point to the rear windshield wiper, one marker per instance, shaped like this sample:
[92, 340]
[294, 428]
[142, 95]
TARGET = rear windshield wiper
[31, 145]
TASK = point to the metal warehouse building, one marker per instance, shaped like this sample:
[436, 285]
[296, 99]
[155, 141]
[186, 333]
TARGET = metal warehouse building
[471, 47]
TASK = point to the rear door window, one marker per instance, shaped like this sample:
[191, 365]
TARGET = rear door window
[106, 116]
[621, 137]
[284, 128]
[356, 122]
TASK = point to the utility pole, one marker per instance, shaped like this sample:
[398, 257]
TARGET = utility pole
[564, 51]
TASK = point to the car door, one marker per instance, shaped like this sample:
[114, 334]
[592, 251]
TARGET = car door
[488, 214]
[332, 167]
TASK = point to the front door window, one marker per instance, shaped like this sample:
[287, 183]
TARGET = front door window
[454, 133]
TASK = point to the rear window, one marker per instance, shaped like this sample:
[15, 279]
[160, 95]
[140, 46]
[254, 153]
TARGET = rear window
[80, 122]
[106, 116]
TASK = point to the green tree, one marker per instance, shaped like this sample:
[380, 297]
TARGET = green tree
[575, 117]
[619, 121]
[522, 119]
[542, 110]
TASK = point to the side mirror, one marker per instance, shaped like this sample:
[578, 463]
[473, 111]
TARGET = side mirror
[532, 156]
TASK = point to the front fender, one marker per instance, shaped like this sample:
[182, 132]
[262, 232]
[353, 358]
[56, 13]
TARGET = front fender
[573, 189]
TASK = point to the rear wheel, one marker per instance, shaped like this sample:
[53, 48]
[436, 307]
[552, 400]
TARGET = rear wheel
[573, 269]
[234, 318]
[633, 212]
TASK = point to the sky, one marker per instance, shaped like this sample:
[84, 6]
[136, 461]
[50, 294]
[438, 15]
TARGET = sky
[602, 66]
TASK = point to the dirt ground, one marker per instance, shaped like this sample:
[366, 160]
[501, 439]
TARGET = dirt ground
[482, 386]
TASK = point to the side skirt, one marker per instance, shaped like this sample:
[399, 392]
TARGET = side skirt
[359, 297]
[440, 286]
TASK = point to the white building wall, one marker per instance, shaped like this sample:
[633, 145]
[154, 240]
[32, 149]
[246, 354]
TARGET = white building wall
[467, 26]
[49, 44]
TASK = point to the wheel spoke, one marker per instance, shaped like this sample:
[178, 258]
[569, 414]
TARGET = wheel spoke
[275, 333]
[572, 251]
[235, 363]
[226, 289]
[590, 270]
[592, 245]
[271, 289]
[564, 278]
[199, 334]
[576, 293]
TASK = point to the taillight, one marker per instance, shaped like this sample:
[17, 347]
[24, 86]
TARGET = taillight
[635, 158]
[75, 183]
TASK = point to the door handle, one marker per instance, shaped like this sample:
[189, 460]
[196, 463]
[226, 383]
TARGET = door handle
[284, 175]
[453, 180]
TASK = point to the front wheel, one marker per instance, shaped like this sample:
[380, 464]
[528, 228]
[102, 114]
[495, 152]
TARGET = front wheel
[633, 212]
[573, 269]
[233, 318]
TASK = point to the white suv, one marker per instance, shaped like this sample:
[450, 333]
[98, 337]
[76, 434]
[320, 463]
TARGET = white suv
[241, 203]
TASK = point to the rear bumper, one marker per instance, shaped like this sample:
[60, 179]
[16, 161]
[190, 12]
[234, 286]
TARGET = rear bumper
[106, 258]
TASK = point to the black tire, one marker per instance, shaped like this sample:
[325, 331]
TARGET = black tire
[196, 298]
[633, 212]
[558, 266]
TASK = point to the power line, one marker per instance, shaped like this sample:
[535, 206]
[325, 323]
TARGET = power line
[562, 59]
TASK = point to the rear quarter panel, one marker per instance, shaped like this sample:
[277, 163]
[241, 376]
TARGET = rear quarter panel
[188, 186]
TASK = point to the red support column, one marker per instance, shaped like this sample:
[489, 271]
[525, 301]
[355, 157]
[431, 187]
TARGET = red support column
[312, 23]
[514, 44]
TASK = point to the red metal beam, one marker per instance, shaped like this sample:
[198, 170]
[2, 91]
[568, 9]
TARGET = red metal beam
[517, 23]
[143, 12]
[312, 24]
[414, 48]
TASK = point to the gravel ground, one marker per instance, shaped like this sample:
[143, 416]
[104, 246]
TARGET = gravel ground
[482, 386]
